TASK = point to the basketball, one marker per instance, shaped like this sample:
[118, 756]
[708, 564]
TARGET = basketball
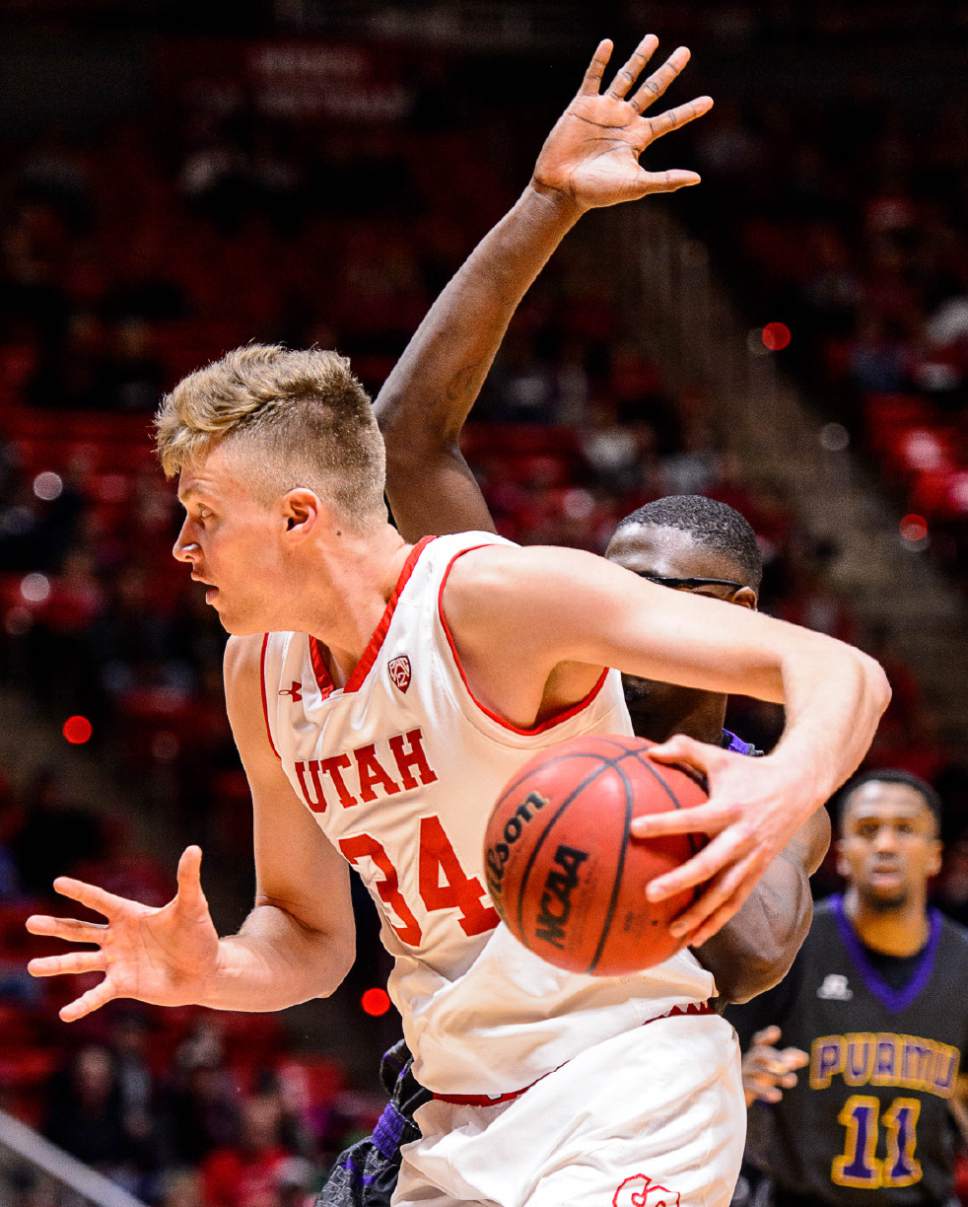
[562, 869]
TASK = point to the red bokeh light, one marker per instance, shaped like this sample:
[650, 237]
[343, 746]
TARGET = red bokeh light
[375, 1002]
[77, 730]
[913, 527]
[776, 337]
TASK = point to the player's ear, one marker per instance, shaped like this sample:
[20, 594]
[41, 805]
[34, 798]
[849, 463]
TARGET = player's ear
[300, 509]
[935, 858]
[746, 598]
[843, 867]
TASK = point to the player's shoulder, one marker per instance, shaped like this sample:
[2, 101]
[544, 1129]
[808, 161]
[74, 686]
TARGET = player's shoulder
[242, 660]
[954, 937]
[826, 921]
[496, 568]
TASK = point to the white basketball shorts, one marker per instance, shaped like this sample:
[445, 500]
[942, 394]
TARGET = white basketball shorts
[654, 1117]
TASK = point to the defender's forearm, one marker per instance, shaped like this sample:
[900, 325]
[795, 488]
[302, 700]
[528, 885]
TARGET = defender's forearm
[756, 948]
[274, 962]
[430, 391]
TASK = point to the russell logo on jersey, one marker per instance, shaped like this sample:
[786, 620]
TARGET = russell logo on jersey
[835, 988]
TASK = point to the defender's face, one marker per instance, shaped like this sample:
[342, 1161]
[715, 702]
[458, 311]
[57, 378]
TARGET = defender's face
[231, 540]
[671, 553]
[889, 846]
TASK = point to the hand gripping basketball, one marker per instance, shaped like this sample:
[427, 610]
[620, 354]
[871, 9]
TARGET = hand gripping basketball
[561, 869]
[755, 807]
[165, 956]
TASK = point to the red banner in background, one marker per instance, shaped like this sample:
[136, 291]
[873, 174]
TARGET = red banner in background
[300, 81]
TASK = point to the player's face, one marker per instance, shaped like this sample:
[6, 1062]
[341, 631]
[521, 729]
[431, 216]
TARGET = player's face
[231, 541]
[888, 846]
[671, 553]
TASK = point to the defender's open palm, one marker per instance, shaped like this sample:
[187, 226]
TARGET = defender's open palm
[592, 154]
[755, 807]
[164, 956]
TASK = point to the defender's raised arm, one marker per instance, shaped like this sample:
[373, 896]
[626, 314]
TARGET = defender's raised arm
[590, 160]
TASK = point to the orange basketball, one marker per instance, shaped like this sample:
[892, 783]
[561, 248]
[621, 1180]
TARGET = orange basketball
[562, 869]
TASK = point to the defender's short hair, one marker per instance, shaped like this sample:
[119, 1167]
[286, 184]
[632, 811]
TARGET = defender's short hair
[711, 523]
[891, 775]
[304, 413]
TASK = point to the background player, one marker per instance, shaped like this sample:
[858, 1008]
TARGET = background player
[319, 559]
[876, 1000]
[697, 545]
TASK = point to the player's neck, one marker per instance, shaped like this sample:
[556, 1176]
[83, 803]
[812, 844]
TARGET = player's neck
[896, 932]
[701, 716]
[344, 592]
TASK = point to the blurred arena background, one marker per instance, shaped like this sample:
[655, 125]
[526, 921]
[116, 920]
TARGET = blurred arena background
[176, 179]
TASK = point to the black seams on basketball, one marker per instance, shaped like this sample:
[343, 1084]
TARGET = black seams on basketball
[562, 869]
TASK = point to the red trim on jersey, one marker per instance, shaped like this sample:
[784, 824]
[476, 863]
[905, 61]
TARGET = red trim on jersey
[364, 666]
[487, 1100]
[529, 730]
[265, 700]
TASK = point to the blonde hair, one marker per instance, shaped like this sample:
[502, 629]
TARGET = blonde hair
[303, 412]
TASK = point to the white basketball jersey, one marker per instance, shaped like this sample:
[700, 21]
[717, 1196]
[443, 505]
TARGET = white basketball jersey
[400, 768]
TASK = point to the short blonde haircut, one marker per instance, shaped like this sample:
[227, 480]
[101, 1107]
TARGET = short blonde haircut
[303, 414]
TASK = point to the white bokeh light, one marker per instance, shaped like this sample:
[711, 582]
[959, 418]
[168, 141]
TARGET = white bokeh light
[48, 486]
[35, 588]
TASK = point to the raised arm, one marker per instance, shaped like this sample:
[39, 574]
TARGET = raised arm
[296, 944]
[590, 160]
[533, 626]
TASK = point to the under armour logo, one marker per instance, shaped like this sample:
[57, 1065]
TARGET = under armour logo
[835, 988]
[295, 691]
[400, 672]
[640, 1191]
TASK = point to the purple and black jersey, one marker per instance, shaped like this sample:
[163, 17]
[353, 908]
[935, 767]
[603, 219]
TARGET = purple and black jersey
[868, 1121]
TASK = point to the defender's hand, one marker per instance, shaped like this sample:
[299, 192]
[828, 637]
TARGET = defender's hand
[768, 1070]
[592, 154]
[755, 807]
[163, 956]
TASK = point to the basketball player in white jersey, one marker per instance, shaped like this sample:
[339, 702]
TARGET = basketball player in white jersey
[380, 695]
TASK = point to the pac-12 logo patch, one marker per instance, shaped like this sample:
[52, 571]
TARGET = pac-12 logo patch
[640, 1191]
[400, 671]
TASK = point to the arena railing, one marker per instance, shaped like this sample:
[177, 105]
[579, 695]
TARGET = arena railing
[20, 1143]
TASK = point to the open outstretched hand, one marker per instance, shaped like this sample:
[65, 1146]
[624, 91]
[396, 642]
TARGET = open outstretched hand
[592, 154]
[165, 956]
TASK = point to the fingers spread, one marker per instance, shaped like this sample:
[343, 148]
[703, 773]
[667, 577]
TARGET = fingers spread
[98, 899]
[682, 115]
[670, 181]
[627, 76]
[657, 83]
[725, 850]
[73, 963]
[190, 877]
[702, 819]
[70, 929]
[88, 1002]
[596, 68]
[767, 1037]
[714, 923]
